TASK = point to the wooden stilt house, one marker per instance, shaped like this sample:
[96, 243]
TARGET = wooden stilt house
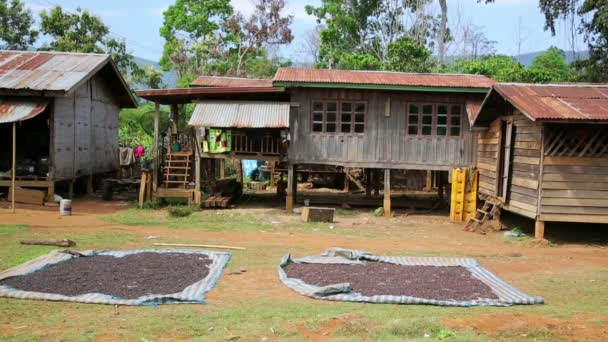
[543, 151]
[64, 109]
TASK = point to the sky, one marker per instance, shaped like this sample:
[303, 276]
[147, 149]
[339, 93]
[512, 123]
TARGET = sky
[139, 21]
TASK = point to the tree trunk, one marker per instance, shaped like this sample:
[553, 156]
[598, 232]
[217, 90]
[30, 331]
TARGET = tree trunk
[443, 30]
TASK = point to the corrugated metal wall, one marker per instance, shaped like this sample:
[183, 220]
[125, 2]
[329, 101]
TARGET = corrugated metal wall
[385, 143]
[86, 131]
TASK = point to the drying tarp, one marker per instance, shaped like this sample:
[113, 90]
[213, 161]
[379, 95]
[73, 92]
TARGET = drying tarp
[193, 294]
[507, 295]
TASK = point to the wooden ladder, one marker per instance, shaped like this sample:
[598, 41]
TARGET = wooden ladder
[489, 210]
[177, 170]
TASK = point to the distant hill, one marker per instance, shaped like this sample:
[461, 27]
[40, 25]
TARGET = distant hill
[169, 78]
[527, 58]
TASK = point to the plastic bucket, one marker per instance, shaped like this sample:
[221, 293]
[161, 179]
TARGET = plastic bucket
[65, 207]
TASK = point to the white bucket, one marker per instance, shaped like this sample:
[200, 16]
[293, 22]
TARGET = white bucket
[65, 207]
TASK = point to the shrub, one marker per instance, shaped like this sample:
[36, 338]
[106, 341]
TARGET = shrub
[181, 211]
[151, 205]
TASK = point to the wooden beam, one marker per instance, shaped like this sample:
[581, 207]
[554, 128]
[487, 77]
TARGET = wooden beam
[539, 230]
[387, 192]
[292, 186]
[368, 182]
[14, 166]
[155, 151]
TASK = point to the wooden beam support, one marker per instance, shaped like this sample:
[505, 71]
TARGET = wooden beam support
[387, 192]
[14, 166]
[539, 230]
[368, 183]
[292, 186]
[429, 181]
[155, 151]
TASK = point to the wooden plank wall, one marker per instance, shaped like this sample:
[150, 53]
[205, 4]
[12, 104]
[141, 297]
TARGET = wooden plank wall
[86, 131]
[525, 161]
[575, 189]
[487, 158]
[385, 143]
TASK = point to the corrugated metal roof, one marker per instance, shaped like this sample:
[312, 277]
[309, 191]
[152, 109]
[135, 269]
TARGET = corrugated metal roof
[19, 110]
[241, 114]
[557, 101]
[47, 70]
[473, 106]
[51, 71]
[306, 75]
[216, 81]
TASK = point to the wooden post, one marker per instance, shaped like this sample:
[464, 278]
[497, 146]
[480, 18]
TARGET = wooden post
[292, 186]
[239, 171]
[368, 183]
[155, 151]
[142, 189]
[387, 192]
[272, 179]
[539, 229]
[174, 118]
[346, 181]
[376, 184]
[50, 197]
[429, 181]
[222, 168]
[13, 174]
[71, 189]
[89, 184]
[197, 175]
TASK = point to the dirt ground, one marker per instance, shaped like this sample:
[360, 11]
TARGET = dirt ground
[249, 302]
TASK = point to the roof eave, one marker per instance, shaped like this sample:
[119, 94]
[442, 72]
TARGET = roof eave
[286, 84]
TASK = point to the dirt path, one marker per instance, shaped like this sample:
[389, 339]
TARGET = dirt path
[252, 273]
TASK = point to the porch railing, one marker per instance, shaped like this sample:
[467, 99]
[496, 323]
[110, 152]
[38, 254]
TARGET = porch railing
[266, 144]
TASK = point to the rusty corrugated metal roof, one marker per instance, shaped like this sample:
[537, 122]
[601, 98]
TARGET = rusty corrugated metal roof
[557, 101]
[47, 70]
[51, 71]
[241, 114]
[330, 76]
[216, 81]
[473, 106]
[19, 110]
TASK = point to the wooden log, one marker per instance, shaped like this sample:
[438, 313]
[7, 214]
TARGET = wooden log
[59, 243]
[14, 168]
[199, 245]
[318, 214]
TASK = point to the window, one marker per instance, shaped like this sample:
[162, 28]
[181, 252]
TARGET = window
[338, 117]
[439, 120]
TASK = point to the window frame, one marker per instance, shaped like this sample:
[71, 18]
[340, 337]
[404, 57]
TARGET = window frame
[353, 113]
[435, 119]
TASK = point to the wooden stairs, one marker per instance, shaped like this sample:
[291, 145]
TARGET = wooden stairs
[489, 210]
[177, 170]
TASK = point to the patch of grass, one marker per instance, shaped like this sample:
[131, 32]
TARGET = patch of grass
[13, 253]
[346, 212]
[213, 221]
[151, 205]
[11, 229]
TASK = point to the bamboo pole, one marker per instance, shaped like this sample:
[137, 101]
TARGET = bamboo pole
[198, 245]
[14, 167]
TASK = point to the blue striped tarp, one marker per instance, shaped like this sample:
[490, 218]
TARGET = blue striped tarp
[507, 294]
[193, 294]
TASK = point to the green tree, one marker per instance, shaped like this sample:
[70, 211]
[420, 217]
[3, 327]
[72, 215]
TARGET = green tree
[192, 34]
[408, 56]
[82, 31]
[595, 68]
[499, 67]
[364, 61]
[136, 126]
[347, 28]
[16, 22]
[549, 66]
[150, 77]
